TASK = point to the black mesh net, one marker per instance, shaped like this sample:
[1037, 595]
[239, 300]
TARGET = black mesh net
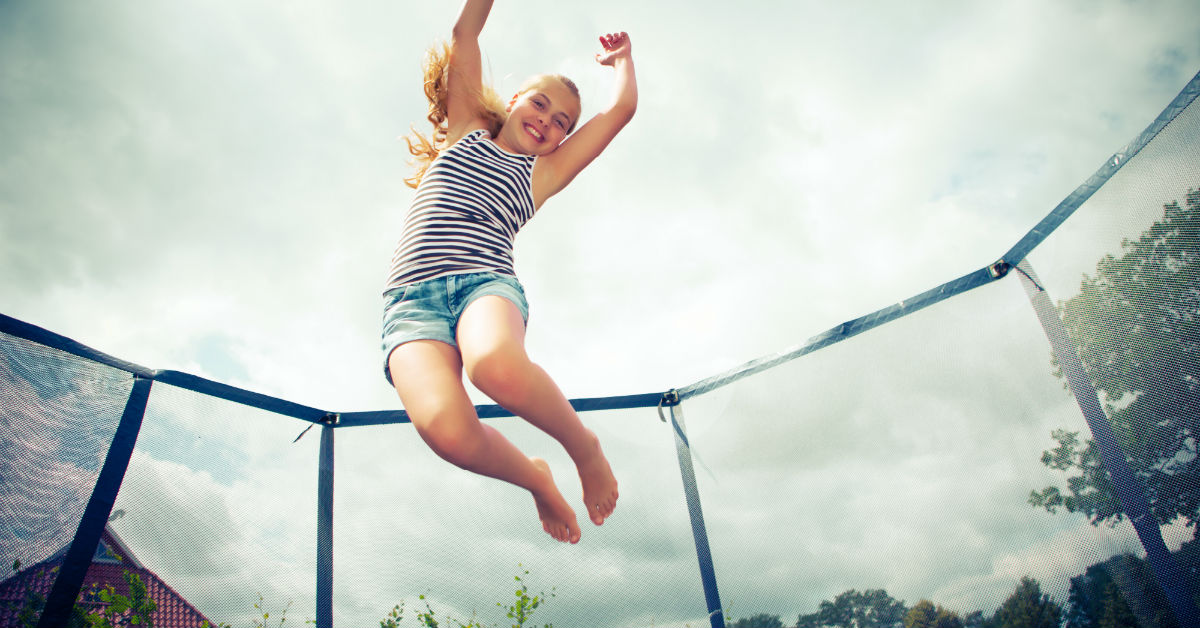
[58, 415]
[937, 460]
[221, 504]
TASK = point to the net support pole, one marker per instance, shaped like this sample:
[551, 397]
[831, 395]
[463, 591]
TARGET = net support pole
[69, 582]
[1129, 490]
[325, 526]
[708, 576]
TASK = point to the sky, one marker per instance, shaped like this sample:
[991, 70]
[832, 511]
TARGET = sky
[216, 188]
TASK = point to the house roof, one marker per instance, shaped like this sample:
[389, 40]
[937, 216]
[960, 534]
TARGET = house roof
[111, 561]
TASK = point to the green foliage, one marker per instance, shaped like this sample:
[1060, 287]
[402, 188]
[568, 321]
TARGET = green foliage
[1097, 600]
[1028, 607]
[393, 618]
[134, 609]
[1116, 613]
[121, 610]
[925, 615]
[29, 610]
[872, 608]
[266, 615]
[520, 610]
[425, 618]
[1136, 324]
[1122, 591]
[761, 620]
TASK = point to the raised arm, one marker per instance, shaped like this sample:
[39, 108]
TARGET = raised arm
[465, 77]
[554, 171]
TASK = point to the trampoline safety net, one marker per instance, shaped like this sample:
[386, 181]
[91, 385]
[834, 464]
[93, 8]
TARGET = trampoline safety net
[1078, 354]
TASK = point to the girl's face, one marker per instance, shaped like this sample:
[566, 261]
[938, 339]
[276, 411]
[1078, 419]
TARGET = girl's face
[540, 118]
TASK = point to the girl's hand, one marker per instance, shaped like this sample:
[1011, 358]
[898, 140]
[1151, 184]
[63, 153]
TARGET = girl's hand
[616, 46]
[553, 172]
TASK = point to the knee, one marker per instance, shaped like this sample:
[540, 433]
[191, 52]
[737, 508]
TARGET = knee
[454, 440]
[503, 376]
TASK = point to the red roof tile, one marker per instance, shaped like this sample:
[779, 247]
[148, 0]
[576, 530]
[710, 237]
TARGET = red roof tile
[173, 610]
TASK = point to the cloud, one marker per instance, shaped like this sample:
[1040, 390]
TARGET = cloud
[59, 418]
[217, 189]
[224, 510]
[909, 456]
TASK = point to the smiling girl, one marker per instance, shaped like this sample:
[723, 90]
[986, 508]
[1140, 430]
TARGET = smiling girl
[453, 302]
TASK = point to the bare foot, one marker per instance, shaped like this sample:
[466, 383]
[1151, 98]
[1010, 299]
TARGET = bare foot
[558, 519]
[599, 484]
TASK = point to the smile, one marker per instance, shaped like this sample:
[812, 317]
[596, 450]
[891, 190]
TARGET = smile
[537, 135]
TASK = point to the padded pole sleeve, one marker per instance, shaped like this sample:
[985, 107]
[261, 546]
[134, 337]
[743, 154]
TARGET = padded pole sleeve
[708, 576]
[325, 530]
[69, 582]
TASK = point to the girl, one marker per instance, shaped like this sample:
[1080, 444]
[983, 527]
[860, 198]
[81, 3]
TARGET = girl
[452, 300]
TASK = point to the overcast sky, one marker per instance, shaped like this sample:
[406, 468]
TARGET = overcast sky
[216, 187]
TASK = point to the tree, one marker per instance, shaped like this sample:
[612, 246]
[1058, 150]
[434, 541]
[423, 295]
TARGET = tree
[976, 619]
[1085, 601]
[1120, 591]
[1116, 613]
[1136, 324]
[872, 608]
[761, 620]
[1027, 607]
[925, 615]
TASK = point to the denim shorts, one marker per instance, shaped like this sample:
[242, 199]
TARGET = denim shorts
[430, 310]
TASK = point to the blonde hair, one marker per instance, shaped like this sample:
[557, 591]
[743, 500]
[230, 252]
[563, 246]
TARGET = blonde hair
[489, 106]
[425, 149]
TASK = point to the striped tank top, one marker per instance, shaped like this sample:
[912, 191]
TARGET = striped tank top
[465, 216]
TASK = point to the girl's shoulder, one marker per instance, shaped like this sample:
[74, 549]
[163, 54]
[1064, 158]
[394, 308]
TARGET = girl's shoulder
[454, 136]
[466, 141]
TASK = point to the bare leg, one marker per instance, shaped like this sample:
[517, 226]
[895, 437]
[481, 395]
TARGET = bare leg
[428, 378]
[491, 335]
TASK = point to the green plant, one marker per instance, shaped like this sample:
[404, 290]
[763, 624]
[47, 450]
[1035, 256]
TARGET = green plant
[522, 610]
[393, 618]
[266, 616]
[426, 616]
[428, 620]
[121, 610]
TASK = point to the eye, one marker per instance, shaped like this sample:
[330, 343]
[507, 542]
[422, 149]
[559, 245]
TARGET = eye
[537, 102]
[561, 123]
